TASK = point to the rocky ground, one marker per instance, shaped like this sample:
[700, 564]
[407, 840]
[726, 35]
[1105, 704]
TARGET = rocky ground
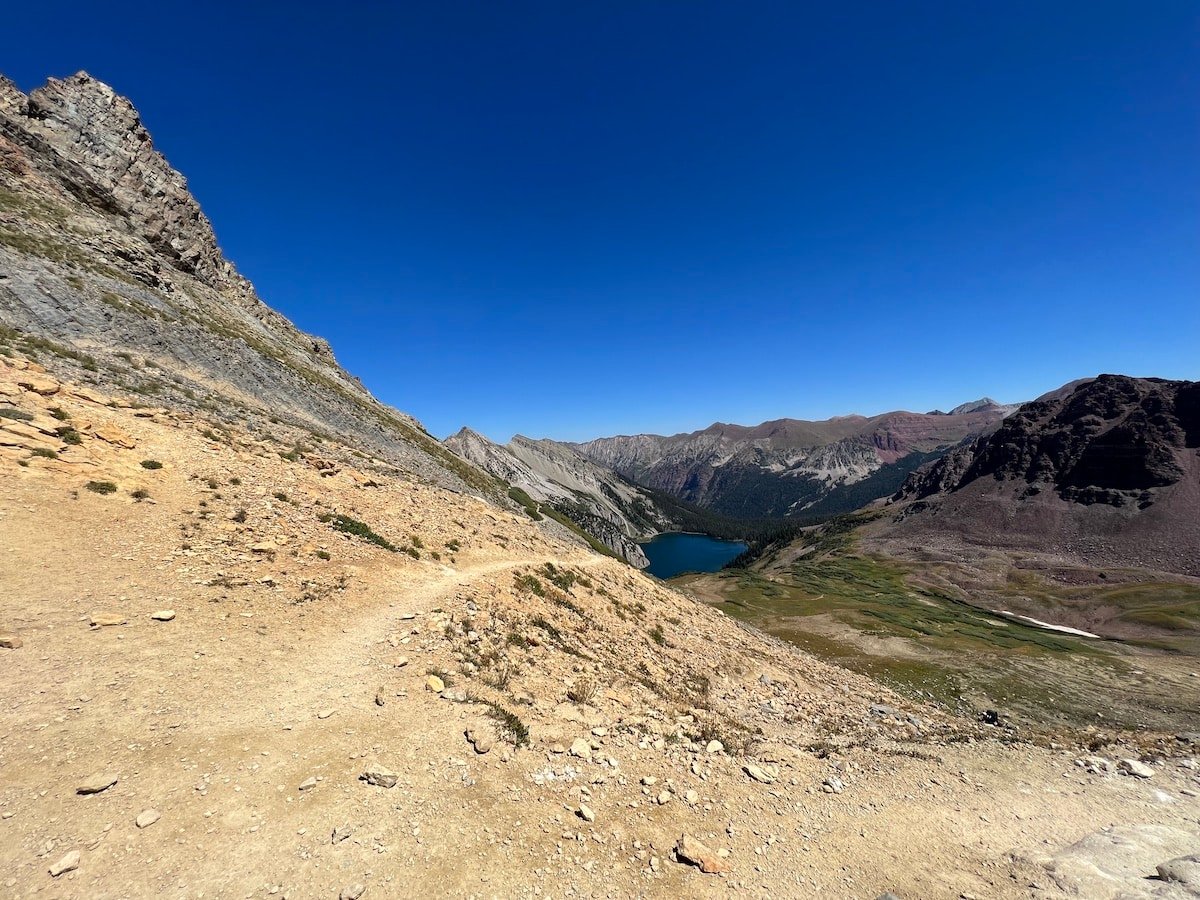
[250, 672]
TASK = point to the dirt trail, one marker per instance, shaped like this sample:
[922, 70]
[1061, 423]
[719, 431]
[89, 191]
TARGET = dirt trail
[247, 720]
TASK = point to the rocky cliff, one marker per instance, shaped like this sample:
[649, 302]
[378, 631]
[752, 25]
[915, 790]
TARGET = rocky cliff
[108, 263]
[598, 500]
[789, 467]
[1108, 467]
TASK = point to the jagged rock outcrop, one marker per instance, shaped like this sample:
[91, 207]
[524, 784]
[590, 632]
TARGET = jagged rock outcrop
[1110, 440]
[789, 467]
[1108, 467]
[602, 503]
[107, 260]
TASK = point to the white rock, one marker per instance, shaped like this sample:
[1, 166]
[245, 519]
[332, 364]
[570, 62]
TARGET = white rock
[69, 863]
[147, 817]
[1135, 768]
[581, 748]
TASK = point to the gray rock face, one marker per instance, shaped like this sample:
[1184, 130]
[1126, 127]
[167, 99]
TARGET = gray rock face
[87, 123]
[104, 251]
[607, 506]
[1119, 862]
[788, 466]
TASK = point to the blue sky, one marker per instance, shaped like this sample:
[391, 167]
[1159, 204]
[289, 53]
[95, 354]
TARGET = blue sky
[579, 219]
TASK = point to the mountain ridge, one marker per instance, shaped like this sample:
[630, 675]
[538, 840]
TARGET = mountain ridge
[781, 467]
[107, 259]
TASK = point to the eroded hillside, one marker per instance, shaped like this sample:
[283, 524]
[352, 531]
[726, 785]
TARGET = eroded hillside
[263, 637]
[222, 655]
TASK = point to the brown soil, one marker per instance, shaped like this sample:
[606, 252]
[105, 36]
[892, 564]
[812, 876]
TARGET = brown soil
[288, 635]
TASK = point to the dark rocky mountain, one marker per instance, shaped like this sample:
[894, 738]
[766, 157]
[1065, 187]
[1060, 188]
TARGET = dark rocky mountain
[108, 263]
[1107, 468]
[789, 467]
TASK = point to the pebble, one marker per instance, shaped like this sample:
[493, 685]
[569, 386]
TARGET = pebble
[584, 812]
[308, 783]
[435, 684]
[69, 863]
[10, 640]
[352, 892]
[163, 615]
[714, 747]
[146, 818]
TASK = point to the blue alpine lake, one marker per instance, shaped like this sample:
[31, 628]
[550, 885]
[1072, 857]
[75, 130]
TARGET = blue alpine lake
[675, 553]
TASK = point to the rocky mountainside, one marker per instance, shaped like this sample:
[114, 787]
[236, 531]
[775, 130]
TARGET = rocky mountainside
[601, 502]
[258, 640]
[790, 467]
[1107, 468]
[108, 263]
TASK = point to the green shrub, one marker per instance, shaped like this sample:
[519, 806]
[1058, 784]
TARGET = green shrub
[18, 415]
[531, 507]
[529, 584]
[45, 453]
[101, 487]
[347, 525]
[151, 464]
[139, 494]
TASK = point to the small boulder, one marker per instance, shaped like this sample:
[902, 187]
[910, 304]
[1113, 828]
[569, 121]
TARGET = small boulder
[714, 747]
[68, 863]
[163, 615]
[1183, 870]
[480, 739]
[352, 892]
[692, 852]
[101, 619]
[111, 434]
[96, 784]
[39, 384]
[435, 684]
[10, 640]
[146, 818]
[761, 774]
[585, 812]
[581, 749]
[380, 776]
[308, 783]
[1135, 768]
